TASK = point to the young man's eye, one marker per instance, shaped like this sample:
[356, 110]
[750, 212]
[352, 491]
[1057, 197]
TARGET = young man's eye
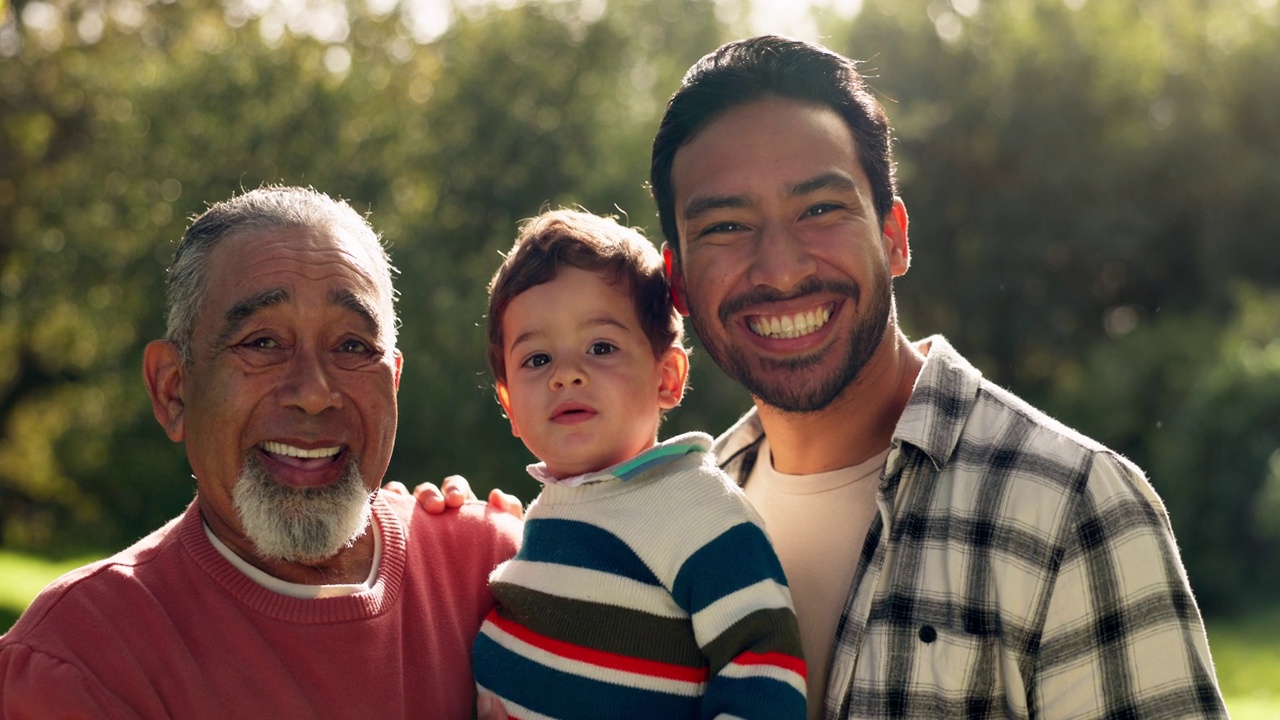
[721, 227]
[822, 209]
[537, 360]
[601, 348]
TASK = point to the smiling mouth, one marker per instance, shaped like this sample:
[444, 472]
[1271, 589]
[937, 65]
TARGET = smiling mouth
[789, 326]
[278, 448]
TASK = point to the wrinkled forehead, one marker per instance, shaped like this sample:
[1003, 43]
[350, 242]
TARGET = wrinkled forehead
[252, 261]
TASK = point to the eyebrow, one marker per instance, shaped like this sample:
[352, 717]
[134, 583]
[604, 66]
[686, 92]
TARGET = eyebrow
[829, 180]
[588, 323]
[246, 308]
[239, 313]
[825, 181]
[360, 306]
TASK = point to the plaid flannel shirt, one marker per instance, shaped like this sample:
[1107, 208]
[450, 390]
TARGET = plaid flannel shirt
[1015, 569]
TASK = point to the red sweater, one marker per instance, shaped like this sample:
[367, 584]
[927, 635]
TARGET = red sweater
[169, 629]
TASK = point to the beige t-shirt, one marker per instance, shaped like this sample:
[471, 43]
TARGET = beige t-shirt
[818, 524]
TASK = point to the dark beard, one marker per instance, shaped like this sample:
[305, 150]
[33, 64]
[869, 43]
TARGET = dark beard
[771, 382]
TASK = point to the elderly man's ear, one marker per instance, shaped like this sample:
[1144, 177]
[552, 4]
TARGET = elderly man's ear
[162, 369]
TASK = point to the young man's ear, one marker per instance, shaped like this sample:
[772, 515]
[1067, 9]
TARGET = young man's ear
[895, 237]
[504, 397]
[675, 371]
[162, 369]
[675, 278]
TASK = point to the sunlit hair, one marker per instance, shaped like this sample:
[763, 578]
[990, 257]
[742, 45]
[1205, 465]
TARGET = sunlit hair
[267, 208]
[745, 71]
[577, 239]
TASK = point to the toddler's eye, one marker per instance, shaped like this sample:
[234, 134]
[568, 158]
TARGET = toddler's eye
[601, 348]
[537, 360]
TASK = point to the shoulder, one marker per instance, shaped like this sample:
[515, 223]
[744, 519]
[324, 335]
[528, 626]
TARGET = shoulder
[93, 589]
[473, 530]
[52, 658]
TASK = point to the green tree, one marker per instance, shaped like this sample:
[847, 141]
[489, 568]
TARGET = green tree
[120, 120]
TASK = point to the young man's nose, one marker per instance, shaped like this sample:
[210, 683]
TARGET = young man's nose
[781, 259]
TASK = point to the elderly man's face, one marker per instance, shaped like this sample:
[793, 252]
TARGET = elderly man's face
[289, 404]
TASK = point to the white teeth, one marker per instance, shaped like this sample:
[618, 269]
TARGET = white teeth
[297, 452]
[790, 326]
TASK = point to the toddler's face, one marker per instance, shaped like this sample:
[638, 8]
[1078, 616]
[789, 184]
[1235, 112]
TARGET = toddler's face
[583, 389]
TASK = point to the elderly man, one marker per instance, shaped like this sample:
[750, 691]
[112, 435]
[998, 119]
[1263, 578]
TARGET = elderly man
[290, 587]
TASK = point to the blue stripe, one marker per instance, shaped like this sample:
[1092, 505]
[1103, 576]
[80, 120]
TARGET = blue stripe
[582, 545]
[752, 697]
[562, 695]
[741, 556]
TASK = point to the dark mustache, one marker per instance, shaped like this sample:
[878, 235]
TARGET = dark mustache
[810, 286]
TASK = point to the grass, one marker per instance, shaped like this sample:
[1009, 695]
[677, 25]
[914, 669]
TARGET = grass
[1246, 655]
[1246, 651]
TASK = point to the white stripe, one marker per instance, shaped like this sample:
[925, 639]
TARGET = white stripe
[711, 621]
[587, 670]
[577, 583]
[773, 672]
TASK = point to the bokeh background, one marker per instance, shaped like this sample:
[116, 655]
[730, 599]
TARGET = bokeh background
[1094, 190]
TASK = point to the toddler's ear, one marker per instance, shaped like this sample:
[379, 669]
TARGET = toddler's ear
[504, 397]
[675, 371]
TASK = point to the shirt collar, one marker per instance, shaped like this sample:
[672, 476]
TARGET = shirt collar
[655, 457]
[944, 396]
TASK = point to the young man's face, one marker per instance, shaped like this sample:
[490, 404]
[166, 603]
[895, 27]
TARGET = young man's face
[583, 389]
[785, 267]
[294, 374]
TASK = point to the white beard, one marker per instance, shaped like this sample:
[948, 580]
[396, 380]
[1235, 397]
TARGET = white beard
[306, 525]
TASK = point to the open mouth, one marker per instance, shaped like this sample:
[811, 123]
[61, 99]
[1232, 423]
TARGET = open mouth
[300, 457]
[789, 326]
[570, 412]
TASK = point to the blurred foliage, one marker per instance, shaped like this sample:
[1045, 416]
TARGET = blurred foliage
[1091, 185]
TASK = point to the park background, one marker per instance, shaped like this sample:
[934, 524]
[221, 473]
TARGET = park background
[1094, 191]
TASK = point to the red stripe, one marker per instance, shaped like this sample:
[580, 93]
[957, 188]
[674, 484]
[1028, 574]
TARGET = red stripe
[776, 659]
[599, 658]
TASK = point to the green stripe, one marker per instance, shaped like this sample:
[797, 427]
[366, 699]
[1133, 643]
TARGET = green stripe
[762, 631]
[603, 627]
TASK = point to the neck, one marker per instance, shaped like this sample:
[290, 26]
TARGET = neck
[349, 566]
[858, 425]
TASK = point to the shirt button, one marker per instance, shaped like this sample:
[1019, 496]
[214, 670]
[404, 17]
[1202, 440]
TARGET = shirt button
[928, 634]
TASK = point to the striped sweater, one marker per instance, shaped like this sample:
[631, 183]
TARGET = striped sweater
[650, 591]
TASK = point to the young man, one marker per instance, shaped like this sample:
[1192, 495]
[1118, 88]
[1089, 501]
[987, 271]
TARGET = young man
[951, 551]
[289, 588]
[646, 586]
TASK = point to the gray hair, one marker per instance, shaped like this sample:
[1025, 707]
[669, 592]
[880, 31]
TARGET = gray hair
[267, 208]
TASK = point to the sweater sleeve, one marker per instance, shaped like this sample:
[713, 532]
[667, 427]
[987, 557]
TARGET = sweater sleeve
[35, 685]
[735, 592]
[1122, 636]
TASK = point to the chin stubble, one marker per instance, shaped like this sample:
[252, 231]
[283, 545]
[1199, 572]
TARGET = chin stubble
[772, 381]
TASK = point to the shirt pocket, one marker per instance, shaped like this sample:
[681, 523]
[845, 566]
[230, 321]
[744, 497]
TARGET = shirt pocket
[948, 658]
